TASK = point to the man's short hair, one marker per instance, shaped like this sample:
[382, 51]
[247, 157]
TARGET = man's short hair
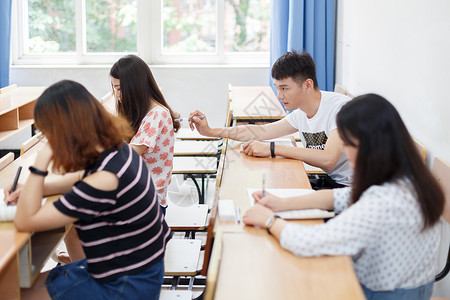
[298, 66]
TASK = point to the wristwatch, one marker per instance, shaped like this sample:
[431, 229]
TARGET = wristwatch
[269, 222]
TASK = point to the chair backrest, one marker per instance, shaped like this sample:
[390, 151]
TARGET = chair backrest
[210, 234]
[214, 265]
[339, 89]
[441, 171]
[6, 160]
[421, 148]
[30, 143]
[8, 88]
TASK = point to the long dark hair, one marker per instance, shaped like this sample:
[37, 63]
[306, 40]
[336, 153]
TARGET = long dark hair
[138, 88]
[75, 124]
[386, 152]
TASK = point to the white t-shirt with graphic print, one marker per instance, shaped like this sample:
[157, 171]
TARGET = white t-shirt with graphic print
[315, 131]
[156, 132]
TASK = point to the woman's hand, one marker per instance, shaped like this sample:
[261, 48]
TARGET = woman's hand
[270, 201]
[257, 216]
[11, 198]
[43, 158]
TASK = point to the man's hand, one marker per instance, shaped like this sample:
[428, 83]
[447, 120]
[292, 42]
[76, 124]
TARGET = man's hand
[255, 148]
[199, 121]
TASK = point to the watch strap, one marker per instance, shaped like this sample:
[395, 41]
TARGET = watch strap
[272, 149]
[35, 171]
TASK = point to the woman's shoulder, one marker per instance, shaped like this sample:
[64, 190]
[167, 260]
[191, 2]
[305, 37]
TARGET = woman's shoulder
[391, 193]
[158, 112]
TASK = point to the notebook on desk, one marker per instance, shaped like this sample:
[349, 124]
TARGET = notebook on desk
[7, 213]
[293, 214]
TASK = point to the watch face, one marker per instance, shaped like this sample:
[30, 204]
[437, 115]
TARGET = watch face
[269, 221]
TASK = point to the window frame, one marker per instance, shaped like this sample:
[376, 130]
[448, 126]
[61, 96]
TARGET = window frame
[148, 16]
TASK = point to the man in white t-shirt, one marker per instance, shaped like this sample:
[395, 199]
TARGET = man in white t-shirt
[295, 78]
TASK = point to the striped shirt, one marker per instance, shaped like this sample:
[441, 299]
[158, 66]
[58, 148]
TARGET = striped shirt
[123, 231]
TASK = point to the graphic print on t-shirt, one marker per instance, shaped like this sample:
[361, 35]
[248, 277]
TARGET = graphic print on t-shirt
[315, 140]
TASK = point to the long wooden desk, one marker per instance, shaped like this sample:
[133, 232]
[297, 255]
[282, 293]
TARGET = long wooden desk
[23, 254]
[253, 264]
[255, 103]
[16, 109]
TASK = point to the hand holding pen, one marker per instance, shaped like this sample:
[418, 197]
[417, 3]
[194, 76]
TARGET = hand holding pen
[10, 195]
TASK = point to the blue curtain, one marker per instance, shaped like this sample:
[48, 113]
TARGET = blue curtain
[305, 25]
[5, 41]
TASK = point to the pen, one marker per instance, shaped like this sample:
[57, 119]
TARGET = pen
[16, 179]
[263, 186]
[238, 210]
[184, 119]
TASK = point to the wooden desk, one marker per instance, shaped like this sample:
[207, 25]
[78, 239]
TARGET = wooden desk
[16, 109]
[253, 264]
[196, 148]
[22, 254]
[188, 134]
[242, 171]
[195, 166]
[255, 103]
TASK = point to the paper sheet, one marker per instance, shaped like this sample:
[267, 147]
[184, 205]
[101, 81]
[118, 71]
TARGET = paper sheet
[7, 213]
[293, 214]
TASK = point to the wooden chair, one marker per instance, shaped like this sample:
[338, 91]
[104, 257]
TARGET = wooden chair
[175, 295]
[182, 255]
[214, 265]
[441, 171]
[340, 89]
[421, 148]
[8, 88]
[6, 160]
[189, 219]
[30, 143]
[192, 167]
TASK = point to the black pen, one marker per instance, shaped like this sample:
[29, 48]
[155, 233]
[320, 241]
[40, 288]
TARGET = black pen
[16, 179]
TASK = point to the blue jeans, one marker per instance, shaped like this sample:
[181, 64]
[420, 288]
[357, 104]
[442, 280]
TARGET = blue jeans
[422, 292]
[73, 281]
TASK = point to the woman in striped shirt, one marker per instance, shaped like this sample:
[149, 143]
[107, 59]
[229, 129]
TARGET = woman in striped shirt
[113, 207]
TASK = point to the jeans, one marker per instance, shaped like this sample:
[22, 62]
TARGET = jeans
[73, 281]
[422, 292]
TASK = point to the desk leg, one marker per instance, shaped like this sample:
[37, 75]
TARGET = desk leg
[9, 281]
[200, 193]
[202, 199]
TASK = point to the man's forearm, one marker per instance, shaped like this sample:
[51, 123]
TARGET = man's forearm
[241, 133]
[318, 158]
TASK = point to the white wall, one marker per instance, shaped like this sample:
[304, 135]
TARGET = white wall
[401, 50]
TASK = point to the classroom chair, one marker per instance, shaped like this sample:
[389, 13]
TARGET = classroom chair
[30, 142]
[214, 265]
[340, 89]
[8, 88]
[189, 219]
[441, 171]
[175, 295]
[6, 160]
[421, 148]
[182, 255]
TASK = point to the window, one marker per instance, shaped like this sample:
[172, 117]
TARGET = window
[160, 31]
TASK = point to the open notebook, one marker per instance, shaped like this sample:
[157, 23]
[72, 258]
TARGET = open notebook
[293, 214]
[7, 213]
